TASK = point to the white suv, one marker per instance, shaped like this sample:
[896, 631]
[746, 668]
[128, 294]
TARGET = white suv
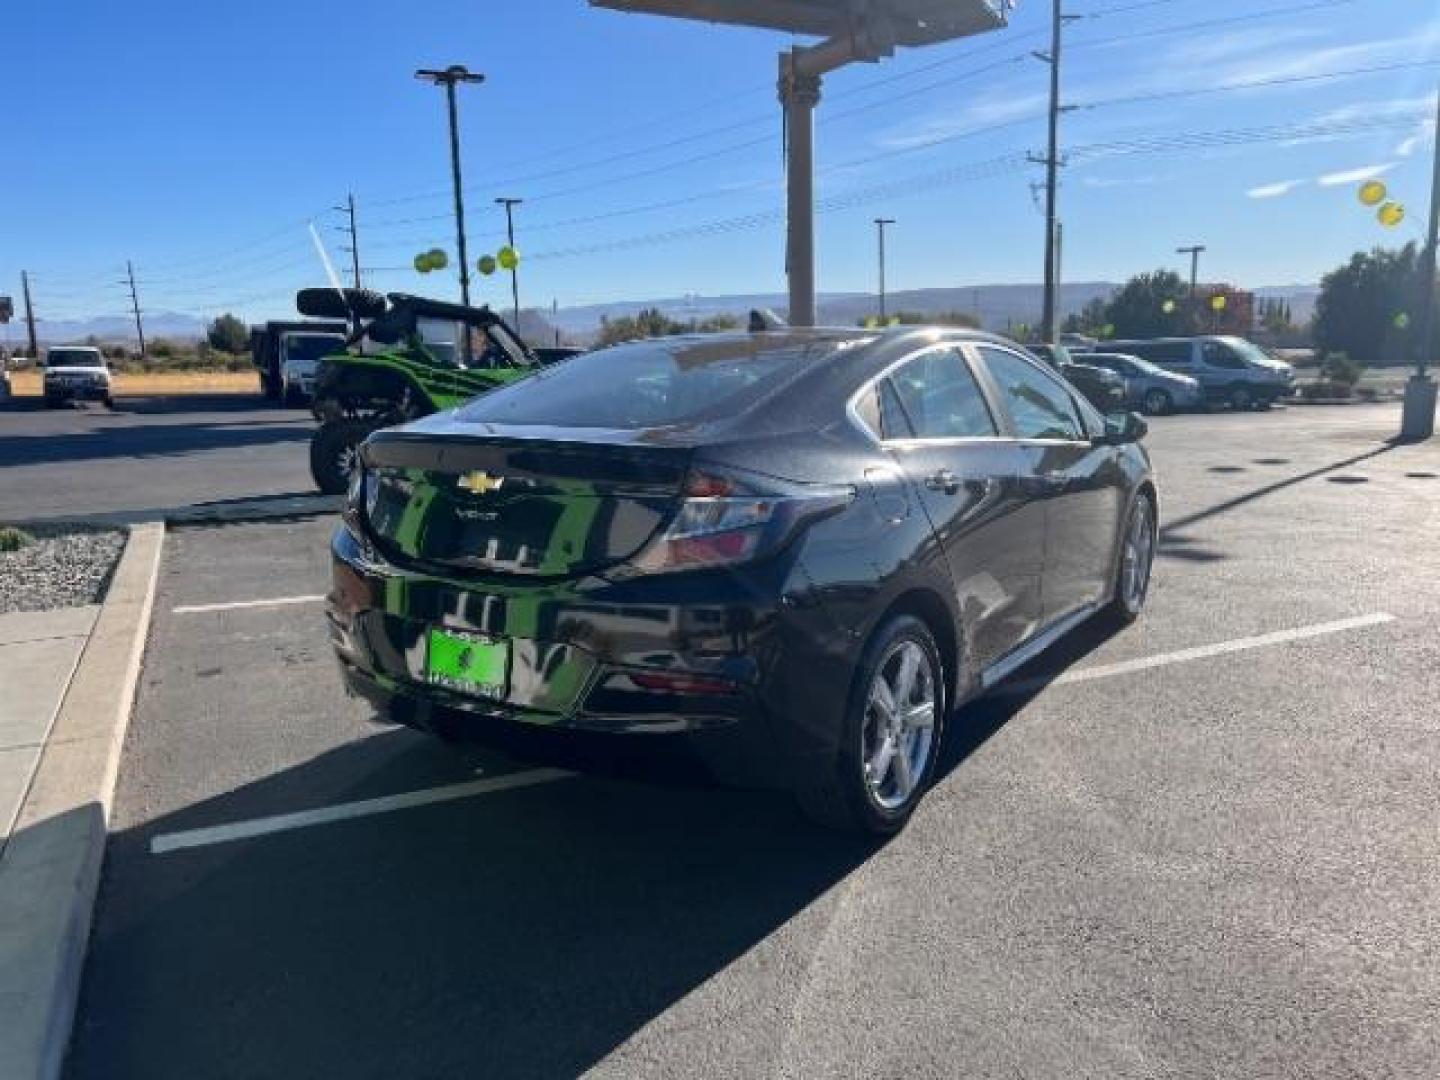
[76, 373]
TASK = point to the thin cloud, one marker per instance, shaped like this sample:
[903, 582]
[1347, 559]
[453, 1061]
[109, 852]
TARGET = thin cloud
[1274, 191]
[953, 122]
[1415, 142]
[1354, 176]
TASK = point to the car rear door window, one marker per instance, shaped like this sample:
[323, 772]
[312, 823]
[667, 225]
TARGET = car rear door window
[1040, 407]
[937, 397]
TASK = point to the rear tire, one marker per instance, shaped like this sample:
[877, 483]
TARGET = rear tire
[887, 753]
[333, 450]
[1241, 399]
[1157, 402]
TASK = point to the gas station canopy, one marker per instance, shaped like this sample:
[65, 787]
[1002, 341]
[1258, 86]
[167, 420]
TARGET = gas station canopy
[911, 22]
[851, 31]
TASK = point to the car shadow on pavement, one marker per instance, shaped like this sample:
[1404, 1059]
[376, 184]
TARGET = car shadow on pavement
[524, 933]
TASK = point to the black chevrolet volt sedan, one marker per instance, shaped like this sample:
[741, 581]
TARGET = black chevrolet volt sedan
[795, 550]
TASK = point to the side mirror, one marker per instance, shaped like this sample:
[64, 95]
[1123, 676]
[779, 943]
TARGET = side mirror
[1124, 427]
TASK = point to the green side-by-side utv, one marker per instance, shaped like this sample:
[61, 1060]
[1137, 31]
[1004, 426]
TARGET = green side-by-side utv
[405, 359]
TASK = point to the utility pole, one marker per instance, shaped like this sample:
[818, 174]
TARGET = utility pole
[1418, 421]
[1193, 251]
[510, 204]
[354, 248]
[880, 224]
[29, 316]
[135, 306]
[451, 77]
[1052, 162]
[555, 319]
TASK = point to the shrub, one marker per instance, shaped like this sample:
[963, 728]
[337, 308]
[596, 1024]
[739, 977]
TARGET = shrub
[13, 539]
[1339, 368]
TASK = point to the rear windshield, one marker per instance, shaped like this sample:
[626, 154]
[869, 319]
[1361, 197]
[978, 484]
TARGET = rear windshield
[657, 383]
[74, 358]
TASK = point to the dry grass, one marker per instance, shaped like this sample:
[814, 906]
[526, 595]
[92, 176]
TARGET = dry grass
[27, 383]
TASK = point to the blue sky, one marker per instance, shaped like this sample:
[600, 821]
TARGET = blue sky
[198, 139]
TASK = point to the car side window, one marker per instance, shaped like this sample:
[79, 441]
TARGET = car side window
[939, 396]
[1219, 355]
[1039, 406]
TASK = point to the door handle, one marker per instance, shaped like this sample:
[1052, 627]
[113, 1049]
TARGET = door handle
[943, 480]
[1044, 484]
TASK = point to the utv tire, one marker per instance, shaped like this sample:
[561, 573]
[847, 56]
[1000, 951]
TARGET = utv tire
[328, 304]
[843, 795]
[332, 453]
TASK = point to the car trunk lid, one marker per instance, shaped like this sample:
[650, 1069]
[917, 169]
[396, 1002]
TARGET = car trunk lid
[535, 506]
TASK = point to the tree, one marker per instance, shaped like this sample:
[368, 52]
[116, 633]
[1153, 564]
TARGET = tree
[1137, 310]
[652, 322]
[228, 334]
[1369, 308]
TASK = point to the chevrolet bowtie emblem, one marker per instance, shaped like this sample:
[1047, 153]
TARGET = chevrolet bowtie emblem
[480, 483]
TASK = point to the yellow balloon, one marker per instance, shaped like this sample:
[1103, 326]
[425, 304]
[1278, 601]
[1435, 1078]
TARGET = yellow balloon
[1218, 302]
[486, 265]
[438, 259]
[1391, 214]
[509, 257]
[1372, 192]
[1402, 320]
[1168, 307]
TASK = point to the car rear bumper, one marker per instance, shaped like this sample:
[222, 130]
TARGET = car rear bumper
[753, 677]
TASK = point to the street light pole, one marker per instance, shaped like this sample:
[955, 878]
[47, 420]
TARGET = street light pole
[449, 78]
[1418, 420]
[880, 224]
[510, 204]
[1194, 252]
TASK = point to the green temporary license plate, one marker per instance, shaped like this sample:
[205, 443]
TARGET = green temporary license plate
[469, 663]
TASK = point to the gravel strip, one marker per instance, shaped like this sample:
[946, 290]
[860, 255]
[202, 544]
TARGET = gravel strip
[65, 566]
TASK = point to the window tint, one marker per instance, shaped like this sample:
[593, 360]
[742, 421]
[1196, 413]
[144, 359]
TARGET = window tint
[1039, 406]
[940, 398]
[893, 423]
[654, 383]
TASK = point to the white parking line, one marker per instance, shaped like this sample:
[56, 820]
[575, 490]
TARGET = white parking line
[1201, 652]
[243, 830]
[278, 601]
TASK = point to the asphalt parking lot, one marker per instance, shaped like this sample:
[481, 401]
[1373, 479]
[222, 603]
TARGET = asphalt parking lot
[149, 457]
[1204, 846]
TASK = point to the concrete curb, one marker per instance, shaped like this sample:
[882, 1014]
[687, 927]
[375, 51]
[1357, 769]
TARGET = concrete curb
[50, 871]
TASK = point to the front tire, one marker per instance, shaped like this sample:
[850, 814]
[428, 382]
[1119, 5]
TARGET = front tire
[1157, 402]
[890, 736]
[1137, 559]
[333, 453]
[1241, 399]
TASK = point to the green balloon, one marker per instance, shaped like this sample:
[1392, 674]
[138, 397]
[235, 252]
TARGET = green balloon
[438, 259]
[422, 263]
[509, 257]
[486, 265]
[1402, 320]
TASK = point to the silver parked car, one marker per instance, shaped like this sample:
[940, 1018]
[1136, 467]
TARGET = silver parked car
[1148, 387]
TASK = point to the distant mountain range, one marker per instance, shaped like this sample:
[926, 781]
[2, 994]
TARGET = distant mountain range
[996, 306]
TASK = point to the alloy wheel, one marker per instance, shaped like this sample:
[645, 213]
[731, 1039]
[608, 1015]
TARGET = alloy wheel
[1157, 402]
[898, 735]
[1138, 556]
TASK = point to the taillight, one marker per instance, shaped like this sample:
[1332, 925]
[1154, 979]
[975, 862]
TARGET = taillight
[725, 519]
